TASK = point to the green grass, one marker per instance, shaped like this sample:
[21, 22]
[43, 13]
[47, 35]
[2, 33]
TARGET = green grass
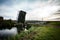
[40, 33]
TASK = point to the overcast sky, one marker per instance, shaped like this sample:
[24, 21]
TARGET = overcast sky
[36, 9]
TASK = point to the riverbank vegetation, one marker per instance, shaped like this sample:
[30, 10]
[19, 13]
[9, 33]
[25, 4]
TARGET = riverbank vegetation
[39, 33]
[45, 31]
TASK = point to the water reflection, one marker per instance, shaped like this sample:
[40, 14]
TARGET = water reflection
[8, 32]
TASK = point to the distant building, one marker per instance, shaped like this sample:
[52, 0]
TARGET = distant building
[35, 22]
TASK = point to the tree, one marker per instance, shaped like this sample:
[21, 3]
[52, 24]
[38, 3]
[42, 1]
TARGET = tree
[6, 24]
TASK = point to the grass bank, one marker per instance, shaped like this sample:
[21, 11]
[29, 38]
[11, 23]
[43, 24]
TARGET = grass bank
[39, 33]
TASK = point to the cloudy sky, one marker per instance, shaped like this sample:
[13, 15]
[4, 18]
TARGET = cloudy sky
[36, 9]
